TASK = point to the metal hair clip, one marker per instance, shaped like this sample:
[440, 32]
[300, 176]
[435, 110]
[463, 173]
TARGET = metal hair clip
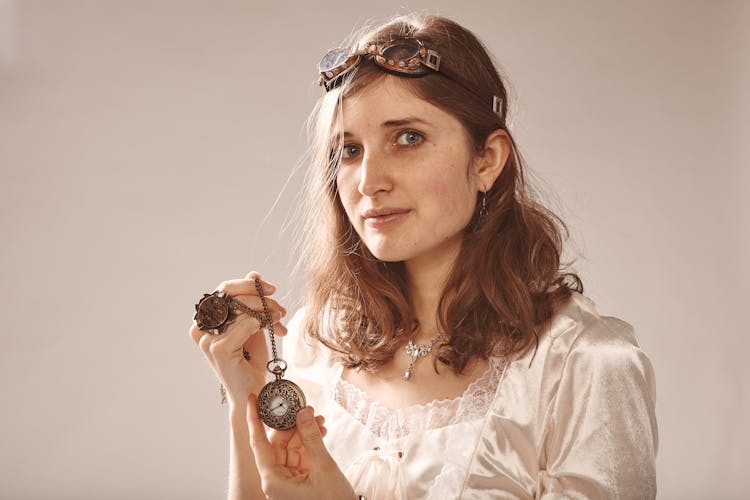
[496, 104]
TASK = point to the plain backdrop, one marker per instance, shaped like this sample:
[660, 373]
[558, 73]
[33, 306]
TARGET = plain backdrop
[147, 152]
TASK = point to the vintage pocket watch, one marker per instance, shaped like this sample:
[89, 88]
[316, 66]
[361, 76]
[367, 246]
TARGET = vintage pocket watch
[280, 400]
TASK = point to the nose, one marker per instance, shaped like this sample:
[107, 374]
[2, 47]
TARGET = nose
[374, 176]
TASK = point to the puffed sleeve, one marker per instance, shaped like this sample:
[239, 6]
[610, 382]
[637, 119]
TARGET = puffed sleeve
[601, 437]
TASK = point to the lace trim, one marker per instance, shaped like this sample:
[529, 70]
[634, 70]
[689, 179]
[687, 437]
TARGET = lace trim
[393, 424]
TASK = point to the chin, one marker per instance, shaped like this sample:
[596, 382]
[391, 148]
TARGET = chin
[389, 254]
[403, 250]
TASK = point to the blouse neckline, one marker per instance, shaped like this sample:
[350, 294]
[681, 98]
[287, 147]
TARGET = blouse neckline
[389, 424]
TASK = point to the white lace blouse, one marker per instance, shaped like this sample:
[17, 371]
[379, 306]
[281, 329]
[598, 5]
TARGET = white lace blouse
[572, 419]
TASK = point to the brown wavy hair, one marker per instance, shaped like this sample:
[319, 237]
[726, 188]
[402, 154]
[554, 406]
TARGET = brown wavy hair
[507, 280]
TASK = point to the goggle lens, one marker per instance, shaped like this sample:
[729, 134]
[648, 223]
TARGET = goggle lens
[400, 53]
[333, 59]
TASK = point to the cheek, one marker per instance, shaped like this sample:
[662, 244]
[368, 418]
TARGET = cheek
[455, 202]
[450, 191]
[347, 192]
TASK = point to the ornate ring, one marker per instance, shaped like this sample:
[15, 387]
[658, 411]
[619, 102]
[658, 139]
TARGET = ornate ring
[216, 311]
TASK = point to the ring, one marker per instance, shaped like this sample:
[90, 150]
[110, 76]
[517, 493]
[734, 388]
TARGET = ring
[215, 311]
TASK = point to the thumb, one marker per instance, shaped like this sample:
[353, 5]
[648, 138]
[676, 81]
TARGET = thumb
[311, 438]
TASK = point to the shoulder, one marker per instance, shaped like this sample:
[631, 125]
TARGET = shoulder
[578, 330]
[592, 364]
[581, 351]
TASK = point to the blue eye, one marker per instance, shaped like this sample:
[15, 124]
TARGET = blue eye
[409, 138]
[349, 151]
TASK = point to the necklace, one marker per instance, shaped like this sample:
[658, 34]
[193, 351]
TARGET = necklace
[416, 351]
[279, 400]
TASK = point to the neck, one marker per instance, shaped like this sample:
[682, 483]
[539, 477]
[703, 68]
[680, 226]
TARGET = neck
[427, 275]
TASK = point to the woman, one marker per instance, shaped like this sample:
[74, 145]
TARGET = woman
[448, 352]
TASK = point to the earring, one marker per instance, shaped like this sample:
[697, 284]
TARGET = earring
[483, 208]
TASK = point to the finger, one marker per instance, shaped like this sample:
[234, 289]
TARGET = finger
[293, 458]
[276, 317]
[279, 440]
[205, 343]
[253, 302]
[321, 425]
[196, 333]
[296, 452]
[255, 274]
[280, 330]
[295, 441]
[245, 287]
[294, 447]
[312, 438]
[256, 342]
[262, 450]
[236, 336]
[240, 332]
[248, 284]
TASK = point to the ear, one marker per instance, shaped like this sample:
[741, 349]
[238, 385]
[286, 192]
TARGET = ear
[491, 161]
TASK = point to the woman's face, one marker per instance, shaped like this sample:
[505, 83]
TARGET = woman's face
[405, 178]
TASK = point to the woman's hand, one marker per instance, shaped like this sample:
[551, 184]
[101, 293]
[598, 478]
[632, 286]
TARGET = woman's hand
[287, 445]
[296, 464]
[226, 352]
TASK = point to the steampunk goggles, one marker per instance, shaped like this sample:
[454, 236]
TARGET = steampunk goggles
[407, 56]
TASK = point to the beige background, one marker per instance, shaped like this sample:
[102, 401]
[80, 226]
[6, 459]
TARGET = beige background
[142, 144]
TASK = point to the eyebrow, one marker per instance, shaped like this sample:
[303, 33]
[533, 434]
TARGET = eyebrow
[409, 120]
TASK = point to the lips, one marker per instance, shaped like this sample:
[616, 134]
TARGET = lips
[381, 217]
[382, 212]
